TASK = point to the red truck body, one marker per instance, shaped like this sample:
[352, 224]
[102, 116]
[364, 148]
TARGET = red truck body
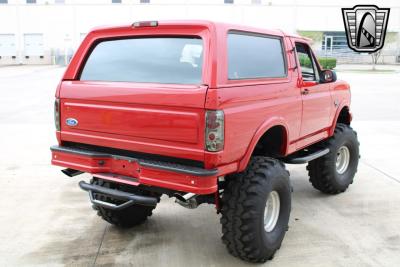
[168, 120]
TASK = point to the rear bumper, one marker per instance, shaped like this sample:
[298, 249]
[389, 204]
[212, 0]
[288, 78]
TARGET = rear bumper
[135, 171]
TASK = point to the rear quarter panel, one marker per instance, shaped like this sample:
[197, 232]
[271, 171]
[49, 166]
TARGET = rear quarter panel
[258, 109]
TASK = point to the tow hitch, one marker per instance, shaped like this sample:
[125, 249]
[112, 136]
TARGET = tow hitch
[71, 172]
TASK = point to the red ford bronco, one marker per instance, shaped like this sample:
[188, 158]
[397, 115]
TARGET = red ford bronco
[206, 113]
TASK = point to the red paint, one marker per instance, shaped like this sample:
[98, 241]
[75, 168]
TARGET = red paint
[168, 119]
[142, 175]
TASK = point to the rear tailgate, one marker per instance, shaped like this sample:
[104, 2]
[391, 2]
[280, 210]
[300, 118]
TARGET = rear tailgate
[151, 118]
[139, 89]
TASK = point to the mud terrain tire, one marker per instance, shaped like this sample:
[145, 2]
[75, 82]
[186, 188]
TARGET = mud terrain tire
[332, 173]
[244, 202]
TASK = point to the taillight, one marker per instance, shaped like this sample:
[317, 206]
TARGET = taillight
[57, 114]
[214, 139]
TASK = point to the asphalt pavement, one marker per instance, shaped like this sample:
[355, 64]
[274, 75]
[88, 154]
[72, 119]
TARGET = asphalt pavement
[46, 220]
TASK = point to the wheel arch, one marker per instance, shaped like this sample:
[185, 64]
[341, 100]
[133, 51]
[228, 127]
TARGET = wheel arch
[269, 130]
[343, 115]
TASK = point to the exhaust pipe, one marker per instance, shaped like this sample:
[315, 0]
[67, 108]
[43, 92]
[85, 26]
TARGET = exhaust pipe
[187, 201]
[71, 172]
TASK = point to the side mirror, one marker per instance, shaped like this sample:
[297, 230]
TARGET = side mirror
[328, 76]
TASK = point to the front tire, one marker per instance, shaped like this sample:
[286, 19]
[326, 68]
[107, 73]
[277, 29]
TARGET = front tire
[334, 172]
[125, 218]
[255, 210]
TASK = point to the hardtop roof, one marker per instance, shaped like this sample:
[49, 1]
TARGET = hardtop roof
[207, 24]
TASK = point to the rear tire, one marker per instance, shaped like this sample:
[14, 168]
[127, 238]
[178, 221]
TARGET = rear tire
[125, 218]
[334, 172]
[255, 210]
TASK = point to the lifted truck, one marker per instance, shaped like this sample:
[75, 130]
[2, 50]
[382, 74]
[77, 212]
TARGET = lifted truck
[207, 113]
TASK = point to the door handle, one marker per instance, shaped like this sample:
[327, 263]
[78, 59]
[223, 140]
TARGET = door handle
[305, 91]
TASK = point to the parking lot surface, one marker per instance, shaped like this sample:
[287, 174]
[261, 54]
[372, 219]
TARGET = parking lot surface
[46, 219]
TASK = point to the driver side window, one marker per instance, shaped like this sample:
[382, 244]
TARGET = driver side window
[309, 69]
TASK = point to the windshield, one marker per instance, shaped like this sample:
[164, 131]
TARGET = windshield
[149, 60]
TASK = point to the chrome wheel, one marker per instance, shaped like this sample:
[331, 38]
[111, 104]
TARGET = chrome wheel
[271, 212]
[342, 159]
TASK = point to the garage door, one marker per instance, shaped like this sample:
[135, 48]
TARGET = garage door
[33, 44]
[7, 45]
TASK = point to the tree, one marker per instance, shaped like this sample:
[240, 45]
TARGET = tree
[375, 56]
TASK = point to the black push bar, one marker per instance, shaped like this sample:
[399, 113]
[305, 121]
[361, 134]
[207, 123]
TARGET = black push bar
[129, 198]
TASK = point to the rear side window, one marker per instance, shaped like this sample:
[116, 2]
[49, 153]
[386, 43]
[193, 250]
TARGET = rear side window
[255, 56]
[148, 60]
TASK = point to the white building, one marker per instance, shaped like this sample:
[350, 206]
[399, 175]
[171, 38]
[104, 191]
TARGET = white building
[48, 31]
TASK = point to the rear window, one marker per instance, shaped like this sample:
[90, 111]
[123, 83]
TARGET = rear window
[148, 60]
[253, 56]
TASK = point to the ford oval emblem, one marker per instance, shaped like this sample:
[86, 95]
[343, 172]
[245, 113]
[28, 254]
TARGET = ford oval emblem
[71, 122]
